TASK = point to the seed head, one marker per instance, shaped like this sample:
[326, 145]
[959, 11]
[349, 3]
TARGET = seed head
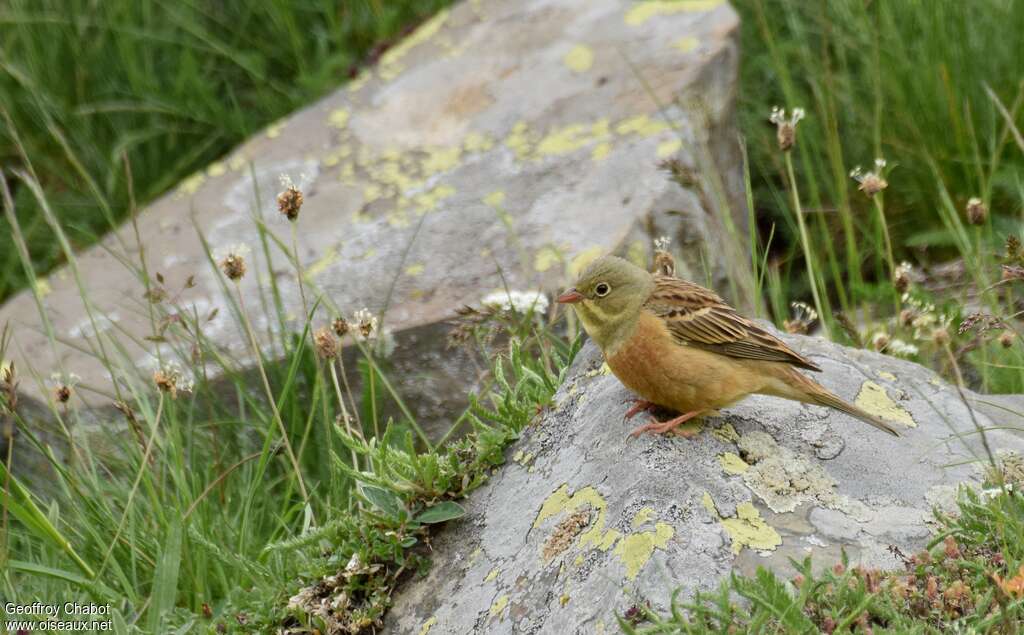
[872, 182]
[365, 322]
[326, 343]
[664, 263]
[1013, 249]
[63, 386]
[785, 128]
[232, 262]
[289, 202]
[940, 336]
[804, 316]
[901, 277]
[341, 326]
[1007, 339]
[170, 379]
[880, 341]
[907, 317]
[977, 211]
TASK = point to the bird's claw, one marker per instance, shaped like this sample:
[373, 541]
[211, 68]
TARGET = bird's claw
[660, 427]
[639, 405]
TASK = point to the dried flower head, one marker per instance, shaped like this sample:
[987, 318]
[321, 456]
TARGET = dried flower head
[289, 201]
[804, 316]
[901, 277]
[785, 128]
[326, 343]
[977, 211]
[232, 262]
[1007, 338]
[1013, 250]
[872, 182]
[341, 326]
[170, 379]
[8, 386]
[880, 341]
[940, 336]
[907, 317]
[664, 263]
[366, 323]
[63, 386]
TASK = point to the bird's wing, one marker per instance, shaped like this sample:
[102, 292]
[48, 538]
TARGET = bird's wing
[697, 317]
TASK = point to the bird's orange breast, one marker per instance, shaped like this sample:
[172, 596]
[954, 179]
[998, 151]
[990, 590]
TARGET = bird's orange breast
[675, 376]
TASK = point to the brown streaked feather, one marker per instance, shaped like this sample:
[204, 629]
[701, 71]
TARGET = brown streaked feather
[698, 317]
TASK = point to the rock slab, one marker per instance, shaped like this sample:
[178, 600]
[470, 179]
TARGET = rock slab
[501, 143]
[582, 523]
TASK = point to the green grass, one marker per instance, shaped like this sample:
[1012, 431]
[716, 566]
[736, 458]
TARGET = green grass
[933, 87]
[165, 87]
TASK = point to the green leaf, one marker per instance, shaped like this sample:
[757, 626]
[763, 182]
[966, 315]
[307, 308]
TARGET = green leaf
[165, 579]
[444, 511]
[384, 500]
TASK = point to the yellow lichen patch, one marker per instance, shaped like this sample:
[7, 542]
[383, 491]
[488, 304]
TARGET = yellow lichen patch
[580, 58]
[886, 375]
[562, 501]
[372, 192]
[546, 257]
[495, 198]
[429, 200]
[338, 118]
[347, 173]
[601, 151]
[669, 147]
[441, 160]
[42, 287]
[215, 169]
[492, 574]
[356, 84]
[499, 606]
[564, 599]
[583, 260]
[603, 369]
[426, 625]
[521, 140]
[389, 62]
[578, 562]
[634, 550]
[415, 270]
[566, 140]
[192, 184]
[274, 130]
[873, 398]
[237, 162]
[748, 529]
[686, 44]
[477, 142]
[641, 125]
[732, 463]
[727, 433]
[643, 11]
[322, 263]
[645, 514]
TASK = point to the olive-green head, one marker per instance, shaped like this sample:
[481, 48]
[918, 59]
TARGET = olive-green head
[608, 297]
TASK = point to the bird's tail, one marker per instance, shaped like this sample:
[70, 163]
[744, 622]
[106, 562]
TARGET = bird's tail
[795, 385]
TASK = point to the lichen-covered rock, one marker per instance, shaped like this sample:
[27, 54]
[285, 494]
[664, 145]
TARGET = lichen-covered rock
[583, 522]
[502, 143]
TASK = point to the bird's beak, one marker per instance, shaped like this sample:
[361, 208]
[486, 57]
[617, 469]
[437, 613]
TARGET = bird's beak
[572, 296]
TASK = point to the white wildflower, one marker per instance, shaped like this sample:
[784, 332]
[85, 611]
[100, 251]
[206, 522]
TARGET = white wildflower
[517, 301]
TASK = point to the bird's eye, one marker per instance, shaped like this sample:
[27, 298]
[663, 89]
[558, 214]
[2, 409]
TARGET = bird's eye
[602, 289]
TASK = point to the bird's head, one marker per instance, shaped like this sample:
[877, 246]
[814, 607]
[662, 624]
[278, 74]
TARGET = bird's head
[608, 297]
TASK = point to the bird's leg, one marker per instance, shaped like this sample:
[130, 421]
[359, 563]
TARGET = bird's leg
[660, 427]
[639, 405]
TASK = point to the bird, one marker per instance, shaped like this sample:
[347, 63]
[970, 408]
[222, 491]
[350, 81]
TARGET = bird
[681, 347]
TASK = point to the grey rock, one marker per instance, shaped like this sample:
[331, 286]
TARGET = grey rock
[666, 512]
[503, 142]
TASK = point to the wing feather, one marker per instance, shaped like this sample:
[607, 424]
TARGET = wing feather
[697, 317]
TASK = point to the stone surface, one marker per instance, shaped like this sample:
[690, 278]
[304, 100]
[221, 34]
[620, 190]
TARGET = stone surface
[501, 142]
[582, 522]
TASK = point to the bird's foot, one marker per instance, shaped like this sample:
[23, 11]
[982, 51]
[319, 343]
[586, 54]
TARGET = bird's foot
[639, 405]
[660, 427]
